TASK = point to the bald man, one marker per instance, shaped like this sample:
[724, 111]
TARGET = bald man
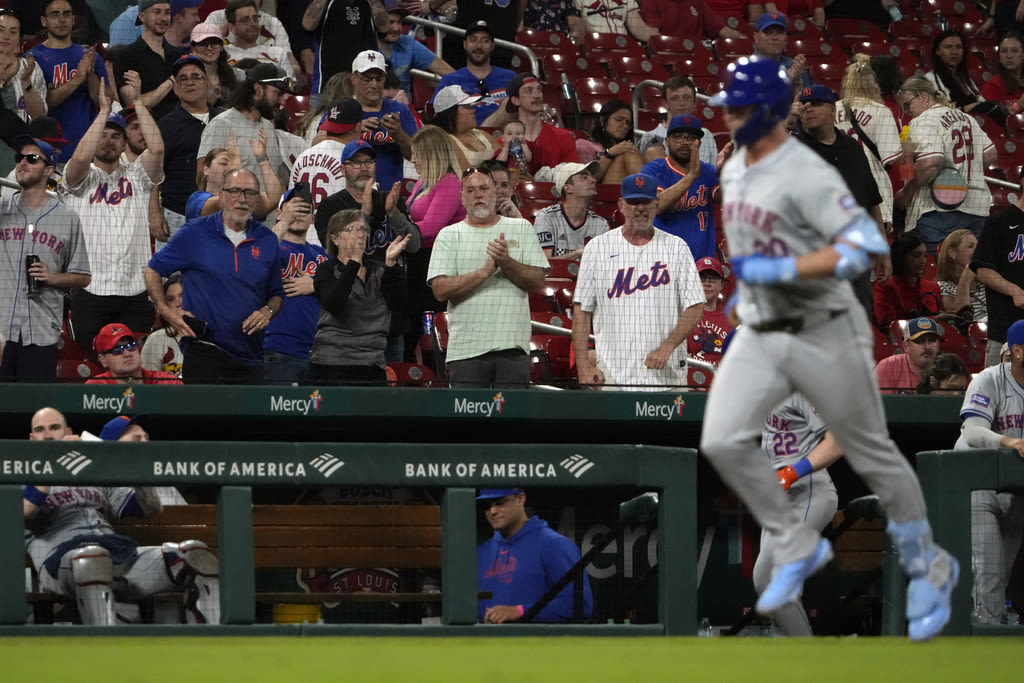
[49, 424]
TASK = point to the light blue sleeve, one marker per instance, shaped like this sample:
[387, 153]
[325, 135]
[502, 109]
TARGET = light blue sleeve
[123, 30]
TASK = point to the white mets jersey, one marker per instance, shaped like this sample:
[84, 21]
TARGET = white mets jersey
[789, 203]
[996, 397]
[791, 431]
[956, 138]
[636, 295]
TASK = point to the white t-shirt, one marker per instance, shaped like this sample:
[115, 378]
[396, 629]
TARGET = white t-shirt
[636, 295]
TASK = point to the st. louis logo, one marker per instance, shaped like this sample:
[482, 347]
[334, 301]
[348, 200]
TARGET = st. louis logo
[326, 464]
[576, 465]
[74, 462]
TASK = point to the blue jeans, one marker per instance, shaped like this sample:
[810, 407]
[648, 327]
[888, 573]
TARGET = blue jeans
[174, 222]
[935, 226]
[280, 368]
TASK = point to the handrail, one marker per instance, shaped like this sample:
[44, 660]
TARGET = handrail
[456, 31]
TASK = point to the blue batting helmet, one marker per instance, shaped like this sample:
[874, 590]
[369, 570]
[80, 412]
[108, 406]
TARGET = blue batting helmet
[758, 81]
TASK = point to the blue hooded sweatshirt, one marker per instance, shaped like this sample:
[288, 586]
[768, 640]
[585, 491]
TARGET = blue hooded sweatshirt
[518, 570]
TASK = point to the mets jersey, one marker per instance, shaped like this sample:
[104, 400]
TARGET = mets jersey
[791, 431]
[789, 203]
[996, 397]
[693, 216]
[636, 295]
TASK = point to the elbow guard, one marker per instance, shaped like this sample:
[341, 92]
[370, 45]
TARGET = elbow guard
[852, 261]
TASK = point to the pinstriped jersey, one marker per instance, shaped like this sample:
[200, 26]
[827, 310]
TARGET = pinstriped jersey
[996, 397]
[789, 203]
[791, 431]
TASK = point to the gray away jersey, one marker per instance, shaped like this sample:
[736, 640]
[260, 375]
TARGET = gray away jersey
[791, 431]
[789, 203]
[996, 397]
[73, 511]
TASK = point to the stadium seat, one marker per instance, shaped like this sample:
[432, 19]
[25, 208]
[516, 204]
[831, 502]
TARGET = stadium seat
[533, 197]
[1015, 126]
[422, 92]
[413, 375]
[730, 49]
[594, 93]
[844, 27]
[707, 75]
[812, 47]
[631, 70]
[711, 117]
[552, 364]
[912, 30]
[544, 41]
[296, 105]
[564, 268]
[958, 10]
[668, 48]
[599, 44]
[573, 66]
[803, 27]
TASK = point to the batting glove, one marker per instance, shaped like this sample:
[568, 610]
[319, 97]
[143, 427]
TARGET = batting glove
[759, 269]
[787, 477]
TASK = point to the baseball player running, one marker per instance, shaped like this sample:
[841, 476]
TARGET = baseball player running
[799, 448]
[797, 237]
[992, 414]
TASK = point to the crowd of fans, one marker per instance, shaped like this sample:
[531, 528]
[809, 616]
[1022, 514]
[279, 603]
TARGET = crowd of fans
[254, 124]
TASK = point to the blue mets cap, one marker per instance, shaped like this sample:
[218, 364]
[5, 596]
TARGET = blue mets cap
[21, 140]
[115, 429]
[117, 121]
[639, 186]
[688, 122]
[491, 494]
[769, 19]
[355, 147]
[1015, 335]
[922, 326]
[818, 93]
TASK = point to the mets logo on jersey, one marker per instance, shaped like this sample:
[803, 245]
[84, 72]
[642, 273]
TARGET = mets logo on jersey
[624, 284]
[102, 195]
[255, 252]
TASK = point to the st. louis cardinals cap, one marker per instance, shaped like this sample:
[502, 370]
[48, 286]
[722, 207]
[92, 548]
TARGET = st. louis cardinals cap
[770, 19]
[639, 186]
[712, 264]
[368, 60]
[491, 494]
[342, 117]
[114, 429]
[355, 147]
[48, 129]
[919, 327]
[818, 93]
[686, 122]
[1015, 335]
[110, 334]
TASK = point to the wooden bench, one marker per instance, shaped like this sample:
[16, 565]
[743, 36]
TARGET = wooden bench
[307, 536]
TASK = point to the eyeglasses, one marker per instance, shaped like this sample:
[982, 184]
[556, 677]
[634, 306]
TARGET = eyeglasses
[121, 348]
[8, 12]
[30, 158]
[484, 90]
[284, 84]
[365, 163]
[371, 79]
[246, 192]
[356, 228]
[475, 169]
[194, 78]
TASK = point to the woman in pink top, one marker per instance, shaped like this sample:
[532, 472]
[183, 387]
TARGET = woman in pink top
[435, 202]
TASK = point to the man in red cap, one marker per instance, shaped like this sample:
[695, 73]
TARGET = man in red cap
[119, 351]
[709, 335]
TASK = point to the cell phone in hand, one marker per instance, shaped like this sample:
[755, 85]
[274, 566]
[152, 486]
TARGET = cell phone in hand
[198, 327]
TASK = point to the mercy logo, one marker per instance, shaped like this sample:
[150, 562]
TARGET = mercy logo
[576, 465]
[648, 409]
[463, 406]
[326, 464]
[302, 406]
[122, 404]
[74, 462]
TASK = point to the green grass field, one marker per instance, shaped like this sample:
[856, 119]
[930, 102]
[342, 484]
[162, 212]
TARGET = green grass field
[512, 660]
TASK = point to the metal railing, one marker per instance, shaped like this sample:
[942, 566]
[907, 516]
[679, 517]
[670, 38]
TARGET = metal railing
[442, 27]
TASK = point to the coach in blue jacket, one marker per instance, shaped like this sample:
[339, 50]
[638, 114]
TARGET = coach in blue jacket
[521, 561]
[231, 276]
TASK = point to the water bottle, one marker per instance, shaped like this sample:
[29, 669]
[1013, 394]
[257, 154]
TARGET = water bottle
[895, 13]
[704, 629]
[517, 157]
[1009, 615]
[31, 282]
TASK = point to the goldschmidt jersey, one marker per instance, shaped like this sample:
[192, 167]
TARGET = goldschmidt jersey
[74, 511]
[996, 397]
[636, 295]
[555, 232]
[957, 139]
[791, 431]
[114, 211]
[321, 167]
[762, 216]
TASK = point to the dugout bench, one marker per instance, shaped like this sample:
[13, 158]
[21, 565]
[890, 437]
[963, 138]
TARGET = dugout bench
[458, 468]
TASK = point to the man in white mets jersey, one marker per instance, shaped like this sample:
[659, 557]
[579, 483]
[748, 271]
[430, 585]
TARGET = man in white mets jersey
[797, 236]
[797, 445]
[640, 289]
[993, 417]
[76, 552]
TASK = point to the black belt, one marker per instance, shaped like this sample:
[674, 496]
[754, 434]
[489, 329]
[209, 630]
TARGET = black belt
[795, 325]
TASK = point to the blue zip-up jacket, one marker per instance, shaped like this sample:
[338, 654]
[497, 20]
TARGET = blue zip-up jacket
[518, 570]
[223, 284]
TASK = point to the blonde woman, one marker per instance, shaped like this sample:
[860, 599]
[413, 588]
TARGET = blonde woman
[943, 137]
[862, 114]
[959, 285]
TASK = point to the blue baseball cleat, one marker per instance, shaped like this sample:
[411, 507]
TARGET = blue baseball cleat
[928, 607]
[788, 581]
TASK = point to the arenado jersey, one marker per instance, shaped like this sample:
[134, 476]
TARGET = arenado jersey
[802, 215]
[791, 431]
[636, 295]
[996, 397]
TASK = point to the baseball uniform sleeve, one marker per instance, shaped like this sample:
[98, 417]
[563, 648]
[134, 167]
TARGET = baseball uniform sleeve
[814, 422]
[586, 285]
[88, 181]
[76, 255]
[829, 205]
[542, 225]
[981, 398]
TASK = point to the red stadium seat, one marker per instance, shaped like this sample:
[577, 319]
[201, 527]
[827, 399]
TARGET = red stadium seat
[544, 41]
[711, 117]
[632, 70]
[1015, 126]
[706, 74]
[803, 27]
[811, 47]
[961, 10]
[296, 105]
[668, 48]
[594, 93]
[729, 49]
[413, 375]
[564, 268]
[841, 27]
[574, 66]
[599, 44]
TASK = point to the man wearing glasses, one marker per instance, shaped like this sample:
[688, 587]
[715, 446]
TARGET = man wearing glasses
[479, 77]
[231, 276]
[387, 125]
[73, 74]
[35, 224]
[112, 199]
[120, 353]
[182, 131]
[244, 21]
